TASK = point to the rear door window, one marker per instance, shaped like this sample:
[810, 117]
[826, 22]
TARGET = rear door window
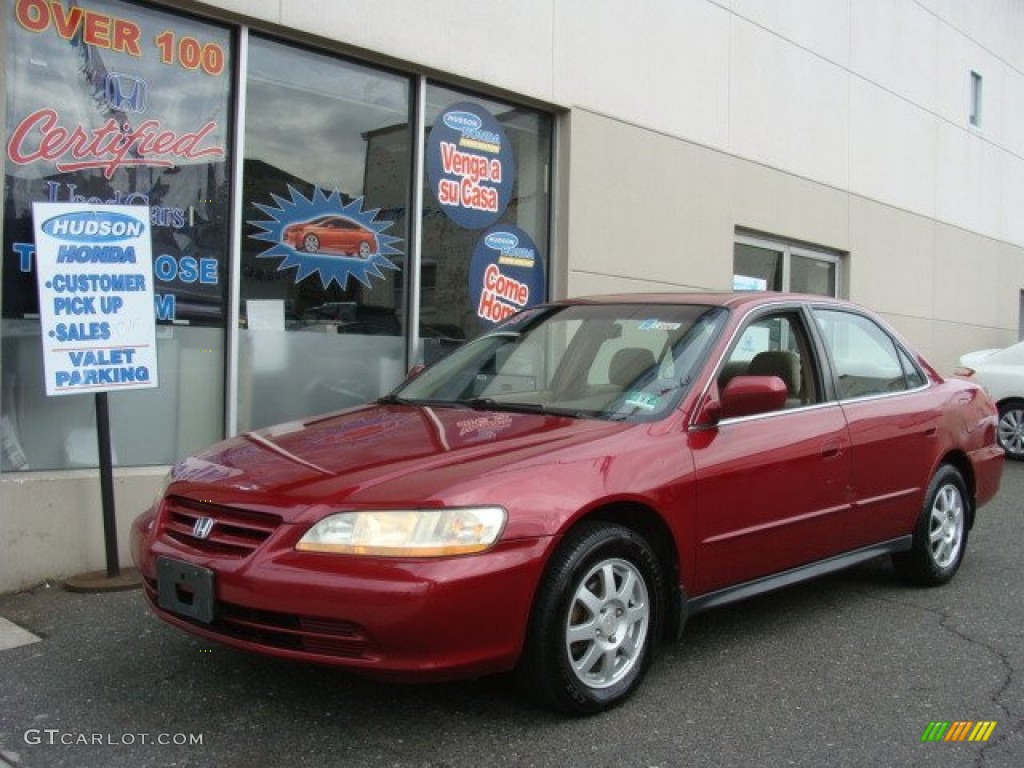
[867, 360]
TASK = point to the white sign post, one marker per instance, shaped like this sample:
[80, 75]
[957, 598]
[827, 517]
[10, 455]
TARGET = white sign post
[94, 269]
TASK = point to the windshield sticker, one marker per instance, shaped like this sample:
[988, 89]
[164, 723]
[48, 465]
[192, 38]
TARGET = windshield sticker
[326, 237]
[659, 325]
[643, 400]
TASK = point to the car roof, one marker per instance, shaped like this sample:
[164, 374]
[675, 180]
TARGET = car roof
[729, 299]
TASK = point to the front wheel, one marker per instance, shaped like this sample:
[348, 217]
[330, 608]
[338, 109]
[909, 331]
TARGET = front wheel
[1011, 429]
[595, 620]
[940, 536]
[311, 244]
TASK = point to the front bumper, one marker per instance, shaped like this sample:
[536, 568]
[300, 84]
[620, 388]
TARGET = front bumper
[428, 619]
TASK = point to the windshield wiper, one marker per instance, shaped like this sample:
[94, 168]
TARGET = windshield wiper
[393, 399]
[484, 404]
[490, 404]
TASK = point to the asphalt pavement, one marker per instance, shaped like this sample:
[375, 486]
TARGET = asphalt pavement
[850, 670]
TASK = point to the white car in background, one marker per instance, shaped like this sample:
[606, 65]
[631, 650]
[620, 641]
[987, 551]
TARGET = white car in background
[1001, 372]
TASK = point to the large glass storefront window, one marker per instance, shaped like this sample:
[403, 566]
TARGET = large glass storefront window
[485, 214]
[109, 102]
[339, 264]
[326, 187]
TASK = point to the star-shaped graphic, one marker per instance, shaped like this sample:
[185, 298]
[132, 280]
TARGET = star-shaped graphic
[329, 266]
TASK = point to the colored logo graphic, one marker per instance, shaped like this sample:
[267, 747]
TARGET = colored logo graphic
[93, 227]
[470, 165]
[959, 730]
[324, 237]
[506, 273]
[125, 92]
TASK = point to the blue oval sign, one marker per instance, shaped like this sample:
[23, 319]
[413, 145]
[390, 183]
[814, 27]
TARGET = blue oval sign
[506, 274]
[93, 227]
[463, 121]
[470, 165]
[501, 241]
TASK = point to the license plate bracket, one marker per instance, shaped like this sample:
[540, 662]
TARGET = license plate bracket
[185, 589]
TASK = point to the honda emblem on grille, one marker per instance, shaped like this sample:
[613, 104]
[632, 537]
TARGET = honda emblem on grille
[203, 528]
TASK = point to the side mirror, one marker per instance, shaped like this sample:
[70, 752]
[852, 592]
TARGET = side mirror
[749, 395]
[415, 371]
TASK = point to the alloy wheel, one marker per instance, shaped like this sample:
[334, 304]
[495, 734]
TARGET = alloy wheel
[946, 525]
[607, 625]
[1011, 431]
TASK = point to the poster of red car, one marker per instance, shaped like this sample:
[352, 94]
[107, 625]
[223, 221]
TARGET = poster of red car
[331, 233]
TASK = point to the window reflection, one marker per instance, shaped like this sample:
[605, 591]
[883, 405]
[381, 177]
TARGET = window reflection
[324, 232]
[325, 196]
[87, 88]
[448, 311]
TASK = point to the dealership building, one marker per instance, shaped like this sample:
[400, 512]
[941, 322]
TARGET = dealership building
[337, 191]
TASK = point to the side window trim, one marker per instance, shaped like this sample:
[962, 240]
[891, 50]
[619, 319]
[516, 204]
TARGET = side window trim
[907, 359]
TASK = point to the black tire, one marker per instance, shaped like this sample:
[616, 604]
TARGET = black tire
[940, 536]
[311, 243]
[1011, 429]
[595, 620]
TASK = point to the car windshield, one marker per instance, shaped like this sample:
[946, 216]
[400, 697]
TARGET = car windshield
[608, 361]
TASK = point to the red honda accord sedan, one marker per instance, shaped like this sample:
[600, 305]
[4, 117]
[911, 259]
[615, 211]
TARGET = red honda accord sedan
[557, 496]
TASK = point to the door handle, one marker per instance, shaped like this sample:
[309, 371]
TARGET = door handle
[832, 448]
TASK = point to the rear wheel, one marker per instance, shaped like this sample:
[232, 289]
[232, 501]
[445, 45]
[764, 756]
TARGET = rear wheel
[1011, 429]
[940, 536]
[595, 620]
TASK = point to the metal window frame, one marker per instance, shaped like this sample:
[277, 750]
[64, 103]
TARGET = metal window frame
[790, 249]
[231, 373]
[974, 115]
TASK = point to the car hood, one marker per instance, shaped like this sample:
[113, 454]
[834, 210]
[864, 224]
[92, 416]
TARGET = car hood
[379, 454]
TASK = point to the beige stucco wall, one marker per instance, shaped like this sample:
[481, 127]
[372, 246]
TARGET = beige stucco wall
[51, 523]
[949, 290]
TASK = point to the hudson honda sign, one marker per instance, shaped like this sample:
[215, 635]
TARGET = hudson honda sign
[95, 273]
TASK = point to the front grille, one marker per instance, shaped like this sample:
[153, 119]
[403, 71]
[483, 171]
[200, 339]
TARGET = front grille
[234, 533]
[282, 630]
[324, 637]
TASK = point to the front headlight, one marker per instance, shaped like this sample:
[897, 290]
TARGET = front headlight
[406, 532]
